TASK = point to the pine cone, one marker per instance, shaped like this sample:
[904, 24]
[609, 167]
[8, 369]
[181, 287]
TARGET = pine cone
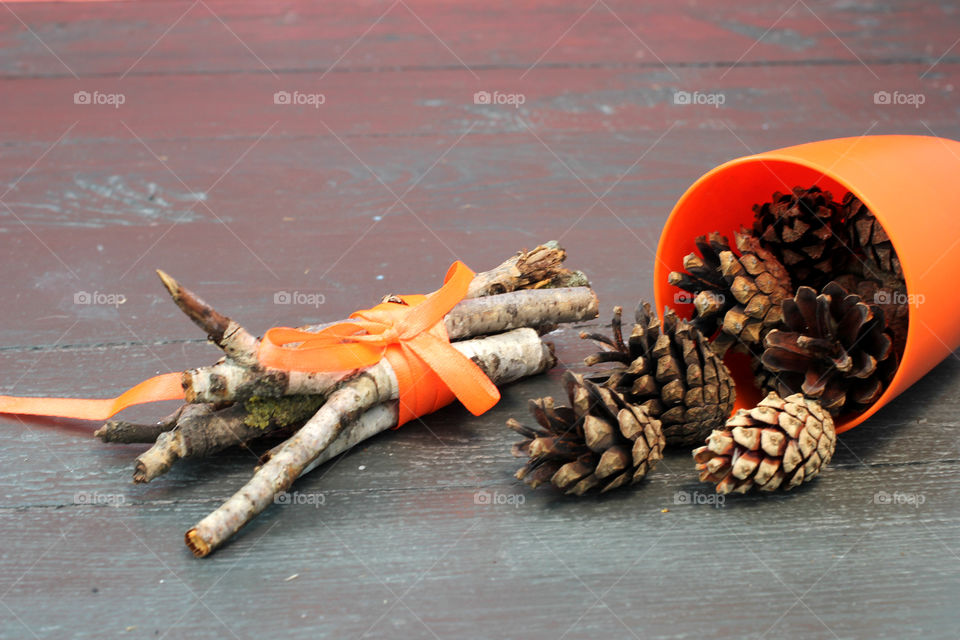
[780, 443]
[875, 268]
[739, 294]
[600, 441]
[804, 231]
[870, 242]
[834, 348]
[670, 372]
[891, 299]
[704, 279]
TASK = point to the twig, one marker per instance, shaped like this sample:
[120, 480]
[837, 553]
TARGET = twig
[236, 342]
[376, 420]
[120, 431]
[508, 356]
[160, 455]
[204, 433]
[536, 269]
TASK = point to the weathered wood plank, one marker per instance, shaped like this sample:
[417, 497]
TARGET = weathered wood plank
[532, 570]
[112, 38]
[428, 102]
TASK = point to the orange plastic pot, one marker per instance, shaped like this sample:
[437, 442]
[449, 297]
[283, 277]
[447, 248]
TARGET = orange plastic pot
[911, 184]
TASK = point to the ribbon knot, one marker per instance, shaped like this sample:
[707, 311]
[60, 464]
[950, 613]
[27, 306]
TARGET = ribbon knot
[412, 337]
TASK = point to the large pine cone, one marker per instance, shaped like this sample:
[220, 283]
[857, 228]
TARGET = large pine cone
[870, 242]
[599, 442]
[804, 231]
[834, 348]
[875, 269]
[890, 297]
[780, 443]
[741, 295]
[671, 372]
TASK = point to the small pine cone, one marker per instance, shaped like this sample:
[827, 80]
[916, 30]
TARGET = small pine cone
[744, 294]
[780, 443]
[599, 442]
[803, 230]
[835, 348]
[670, 371]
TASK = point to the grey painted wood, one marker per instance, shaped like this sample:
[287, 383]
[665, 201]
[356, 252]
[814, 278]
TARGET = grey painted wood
[393, 540]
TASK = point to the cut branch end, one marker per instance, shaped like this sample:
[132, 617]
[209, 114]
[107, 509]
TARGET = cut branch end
[203, 315]
[196, 544]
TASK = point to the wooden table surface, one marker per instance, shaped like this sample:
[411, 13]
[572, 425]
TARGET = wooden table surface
[377, 190]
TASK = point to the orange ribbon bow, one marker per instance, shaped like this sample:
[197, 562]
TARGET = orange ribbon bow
[412, 337]
[410, 334]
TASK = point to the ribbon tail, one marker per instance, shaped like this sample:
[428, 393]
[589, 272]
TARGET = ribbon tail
[162, 387]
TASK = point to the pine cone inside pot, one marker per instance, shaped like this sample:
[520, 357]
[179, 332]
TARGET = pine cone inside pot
[890, 297]
[703, 279]
[834, 348]
[804, 231]
[740, 295]
[780, 443]
[599, 442]
[870, 242]
[671, 372]
[875, 270]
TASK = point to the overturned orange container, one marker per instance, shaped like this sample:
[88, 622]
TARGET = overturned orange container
[912, 186]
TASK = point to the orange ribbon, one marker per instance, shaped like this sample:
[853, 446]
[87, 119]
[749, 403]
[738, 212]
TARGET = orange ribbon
[412, 337]
[410, 334]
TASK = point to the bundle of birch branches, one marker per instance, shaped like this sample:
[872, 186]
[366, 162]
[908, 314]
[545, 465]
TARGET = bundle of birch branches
[498, 325]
